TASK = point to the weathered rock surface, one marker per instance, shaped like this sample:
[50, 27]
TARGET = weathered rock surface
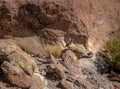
[99, 19]
[95, 79]
[71, 73]
[39, 82]
[71, 62]
[104, 67]
[16, 75]
[51, 34]
[31, 45]
[18, 67]
[16, 55]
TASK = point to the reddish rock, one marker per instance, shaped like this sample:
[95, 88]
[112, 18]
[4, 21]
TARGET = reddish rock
[56, 68]
[77, 18]
[17, 65]
[66, 85]
[17, 56]
[71, 62]
[54, 14]
[16, 75]
[31, 45]
[116, 85]
[52, 34]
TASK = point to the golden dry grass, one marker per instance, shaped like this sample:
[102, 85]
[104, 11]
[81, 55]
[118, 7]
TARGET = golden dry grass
[54, 50]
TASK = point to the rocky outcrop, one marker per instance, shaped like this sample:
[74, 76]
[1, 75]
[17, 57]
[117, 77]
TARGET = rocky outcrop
[78, 19]
[71, 73]
[30, 17]
[16, 76]
[32, 45]
[52, 35]
[16, 55]
[39, 82]
[18, 67]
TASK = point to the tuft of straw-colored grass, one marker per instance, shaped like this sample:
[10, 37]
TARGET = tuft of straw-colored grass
[1, 85]
[54, 50]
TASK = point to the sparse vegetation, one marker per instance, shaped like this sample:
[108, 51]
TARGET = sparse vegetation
[1, 85]
[112, 51]
[54, 50]
[31, 40]
[21, 64]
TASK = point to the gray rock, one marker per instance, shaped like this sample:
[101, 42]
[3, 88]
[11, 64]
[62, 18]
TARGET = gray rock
[93, 77]
[39, 82]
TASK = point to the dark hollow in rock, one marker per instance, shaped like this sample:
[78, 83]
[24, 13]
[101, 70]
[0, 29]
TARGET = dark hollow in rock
[5, 21]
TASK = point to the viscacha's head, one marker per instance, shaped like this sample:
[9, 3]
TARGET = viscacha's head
[69, 42]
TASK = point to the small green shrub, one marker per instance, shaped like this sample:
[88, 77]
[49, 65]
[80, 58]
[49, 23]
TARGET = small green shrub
[54, 50]
[112, 51]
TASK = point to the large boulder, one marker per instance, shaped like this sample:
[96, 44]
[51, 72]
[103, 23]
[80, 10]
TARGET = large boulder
[29, 17]
[71, 62]
[39, 82]
[16, 75]
[51, 34]
[32, 45]
[18, 67]
[78, 18]
[17, 56]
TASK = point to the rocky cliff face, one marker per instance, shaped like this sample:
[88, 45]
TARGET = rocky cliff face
[81, 20]
[31, 17]
[30, 24]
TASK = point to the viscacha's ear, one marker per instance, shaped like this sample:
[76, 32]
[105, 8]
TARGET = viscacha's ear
[69, 42]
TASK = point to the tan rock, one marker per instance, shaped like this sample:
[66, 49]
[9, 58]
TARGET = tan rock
[39, 82]
[57, 15]
[66, 85]
[18, 56]
[31, 45]
[98, 19]
[52, 34]
[16, 75]
[56, 68]
[18, 66]
[71, 62]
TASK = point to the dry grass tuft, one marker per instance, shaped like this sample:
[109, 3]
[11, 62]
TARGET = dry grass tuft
[54, 50]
